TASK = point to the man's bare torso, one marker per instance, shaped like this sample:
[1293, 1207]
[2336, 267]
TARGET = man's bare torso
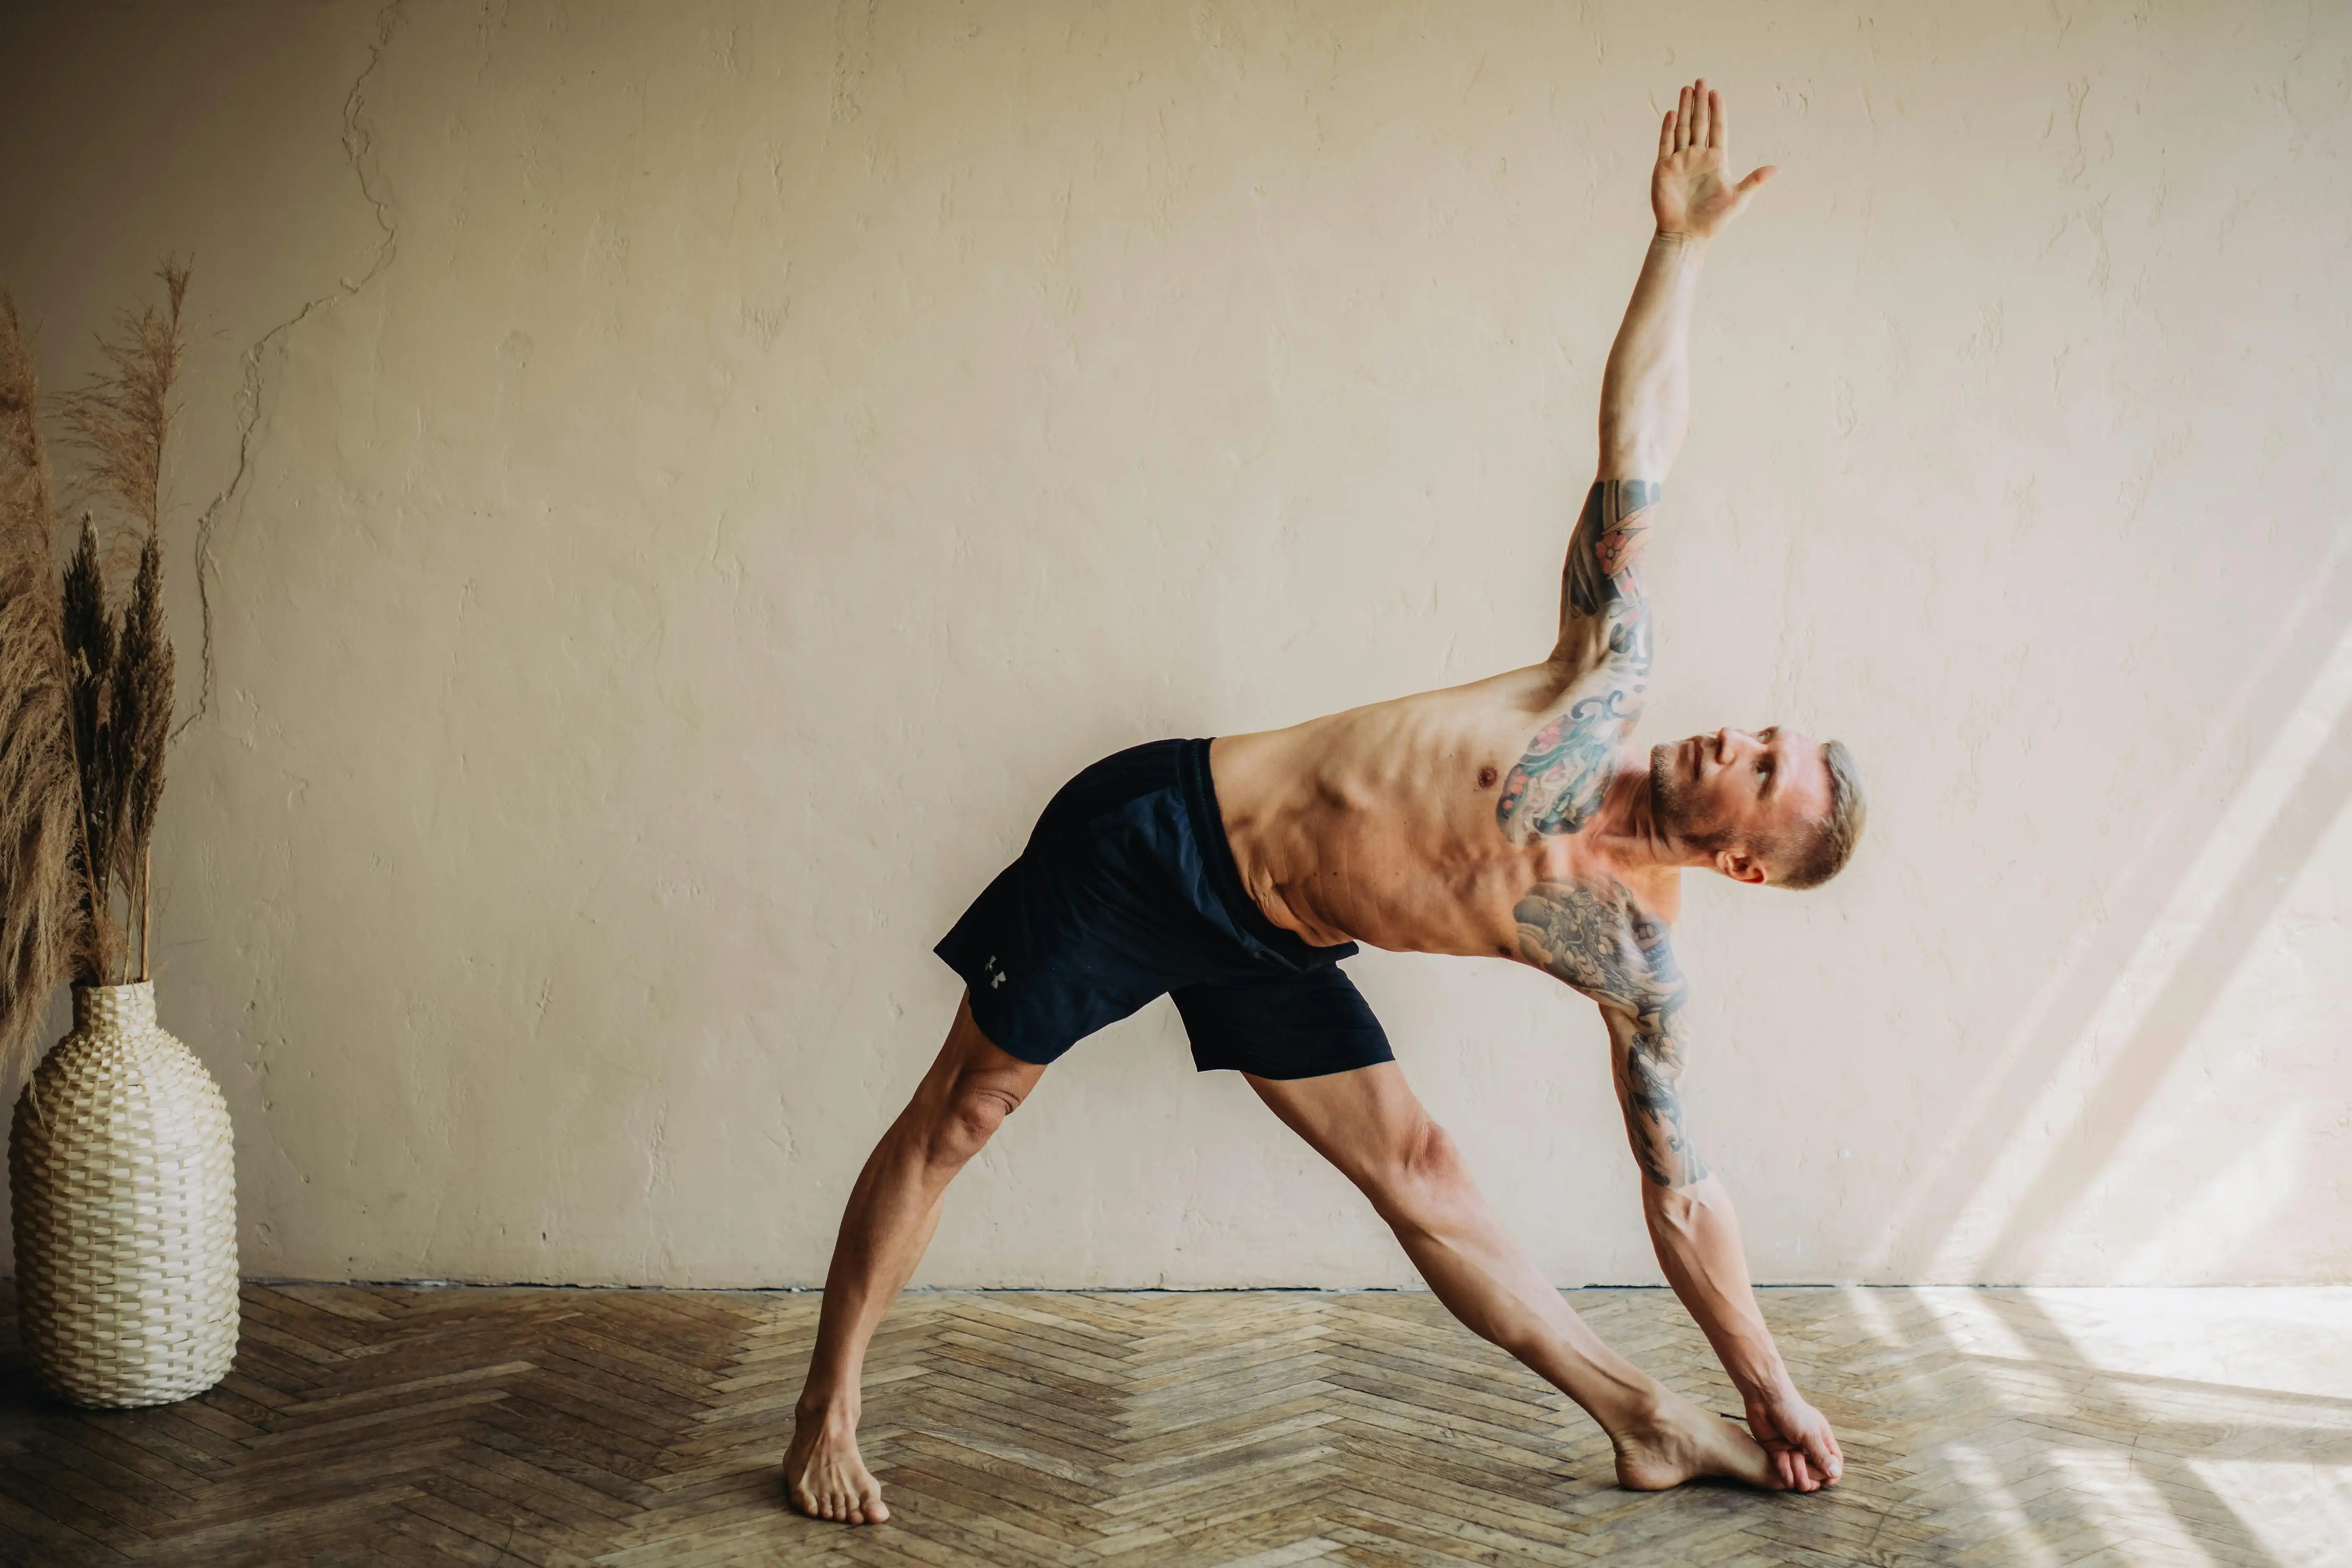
[1379, 825]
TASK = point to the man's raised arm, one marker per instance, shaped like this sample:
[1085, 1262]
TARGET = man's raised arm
[1645, 390]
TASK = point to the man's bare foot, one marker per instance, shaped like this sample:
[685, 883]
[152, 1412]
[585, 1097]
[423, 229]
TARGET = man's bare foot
[1679, 1442]
[824, 1473]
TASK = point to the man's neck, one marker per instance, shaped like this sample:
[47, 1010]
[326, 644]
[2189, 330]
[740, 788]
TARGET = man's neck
[1627, 820]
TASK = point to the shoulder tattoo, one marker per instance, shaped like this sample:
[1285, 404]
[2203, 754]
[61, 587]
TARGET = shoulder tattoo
[1603, 943]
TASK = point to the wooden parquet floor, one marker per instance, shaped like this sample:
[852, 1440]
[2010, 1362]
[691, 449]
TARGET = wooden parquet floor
[368, 1425]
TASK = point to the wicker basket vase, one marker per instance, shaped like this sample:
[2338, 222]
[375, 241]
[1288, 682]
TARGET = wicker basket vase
[125, 1198]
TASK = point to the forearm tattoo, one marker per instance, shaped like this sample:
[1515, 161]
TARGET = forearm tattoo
[1610, 949]
[1560, 780]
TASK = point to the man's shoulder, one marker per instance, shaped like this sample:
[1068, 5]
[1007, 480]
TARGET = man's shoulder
[1602, 937]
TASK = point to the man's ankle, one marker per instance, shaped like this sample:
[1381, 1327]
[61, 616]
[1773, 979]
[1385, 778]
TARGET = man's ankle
[1642, 1410]
[826, 1407]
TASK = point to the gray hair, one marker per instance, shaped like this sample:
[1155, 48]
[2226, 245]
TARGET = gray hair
[1821, 850]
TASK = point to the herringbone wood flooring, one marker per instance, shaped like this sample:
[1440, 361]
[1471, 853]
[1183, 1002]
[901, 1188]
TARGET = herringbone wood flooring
[377, 1425]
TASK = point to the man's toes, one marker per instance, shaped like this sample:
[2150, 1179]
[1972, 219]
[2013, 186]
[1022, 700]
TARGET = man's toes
[875, 1510]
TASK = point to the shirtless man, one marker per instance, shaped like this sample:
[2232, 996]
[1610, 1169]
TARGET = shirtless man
[1510, 817]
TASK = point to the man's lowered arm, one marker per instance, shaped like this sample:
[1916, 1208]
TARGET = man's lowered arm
[1696, 1234]
[1609, 947]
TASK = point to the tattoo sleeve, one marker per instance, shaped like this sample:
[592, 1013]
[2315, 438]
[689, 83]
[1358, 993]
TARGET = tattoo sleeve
[1610, 949]
[1560, 780]
[1605, 553]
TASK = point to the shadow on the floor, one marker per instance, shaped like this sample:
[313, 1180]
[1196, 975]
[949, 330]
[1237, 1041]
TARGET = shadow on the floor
[2064, 1457]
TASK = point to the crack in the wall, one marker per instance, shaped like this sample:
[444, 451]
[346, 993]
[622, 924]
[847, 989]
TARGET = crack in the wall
[358, 141]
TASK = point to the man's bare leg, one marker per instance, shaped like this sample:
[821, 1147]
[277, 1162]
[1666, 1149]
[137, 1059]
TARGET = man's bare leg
[893, 1210]
[1370, 1125]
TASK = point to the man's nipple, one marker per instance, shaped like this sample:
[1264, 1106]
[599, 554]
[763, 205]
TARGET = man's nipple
[1486, 778]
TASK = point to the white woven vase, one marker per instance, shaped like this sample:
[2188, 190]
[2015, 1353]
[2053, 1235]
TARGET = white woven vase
[124, 1189]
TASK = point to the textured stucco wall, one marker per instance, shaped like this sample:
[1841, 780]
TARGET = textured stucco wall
[708, 472]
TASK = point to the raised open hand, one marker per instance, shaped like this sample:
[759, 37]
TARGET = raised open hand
[1691, 190]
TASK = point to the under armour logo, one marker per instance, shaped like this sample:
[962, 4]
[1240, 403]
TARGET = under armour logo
[997, 975]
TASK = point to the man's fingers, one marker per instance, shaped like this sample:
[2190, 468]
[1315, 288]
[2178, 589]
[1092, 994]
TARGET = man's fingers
[1667, 136]
[1682, 120]
[1700, 117]
[1757, 177]
[1717, 130]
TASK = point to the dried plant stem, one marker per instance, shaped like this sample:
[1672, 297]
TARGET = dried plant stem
[82, 834]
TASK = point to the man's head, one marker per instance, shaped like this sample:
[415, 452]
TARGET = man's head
[1771, 806]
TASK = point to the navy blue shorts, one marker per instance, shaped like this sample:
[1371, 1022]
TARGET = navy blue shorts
[1127, 889]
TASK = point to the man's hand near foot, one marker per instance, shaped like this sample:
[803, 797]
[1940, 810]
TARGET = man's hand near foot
[824, 1473]
[1803, 1449]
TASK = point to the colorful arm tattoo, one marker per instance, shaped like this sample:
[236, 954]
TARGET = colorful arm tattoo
[1560, 779]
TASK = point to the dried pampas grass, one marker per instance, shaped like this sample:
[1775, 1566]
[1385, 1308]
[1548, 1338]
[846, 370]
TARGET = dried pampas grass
[44, 895]
[90, 642]
[85, 696]
[142, 723]
[122, 419]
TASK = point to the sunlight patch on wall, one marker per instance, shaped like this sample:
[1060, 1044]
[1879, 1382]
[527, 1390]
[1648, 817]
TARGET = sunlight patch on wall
[2018, 1057]
[2170, 941]
[2203, 1233]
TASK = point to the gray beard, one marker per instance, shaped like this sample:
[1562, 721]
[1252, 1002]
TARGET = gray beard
[1672, 809]
[1669, 797]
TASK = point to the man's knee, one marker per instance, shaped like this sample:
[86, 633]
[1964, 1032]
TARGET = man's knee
[974, 1106]
[1419, 1175]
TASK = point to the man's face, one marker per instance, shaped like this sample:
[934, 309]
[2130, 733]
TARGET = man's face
[1737, 791]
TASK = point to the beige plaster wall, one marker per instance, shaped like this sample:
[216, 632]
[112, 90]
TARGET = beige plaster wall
[684, 482]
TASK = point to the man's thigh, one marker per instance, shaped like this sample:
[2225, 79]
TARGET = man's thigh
[1367, 1122]
[969, 1065]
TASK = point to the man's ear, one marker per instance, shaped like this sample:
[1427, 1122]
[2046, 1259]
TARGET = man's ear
[1740, 865]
